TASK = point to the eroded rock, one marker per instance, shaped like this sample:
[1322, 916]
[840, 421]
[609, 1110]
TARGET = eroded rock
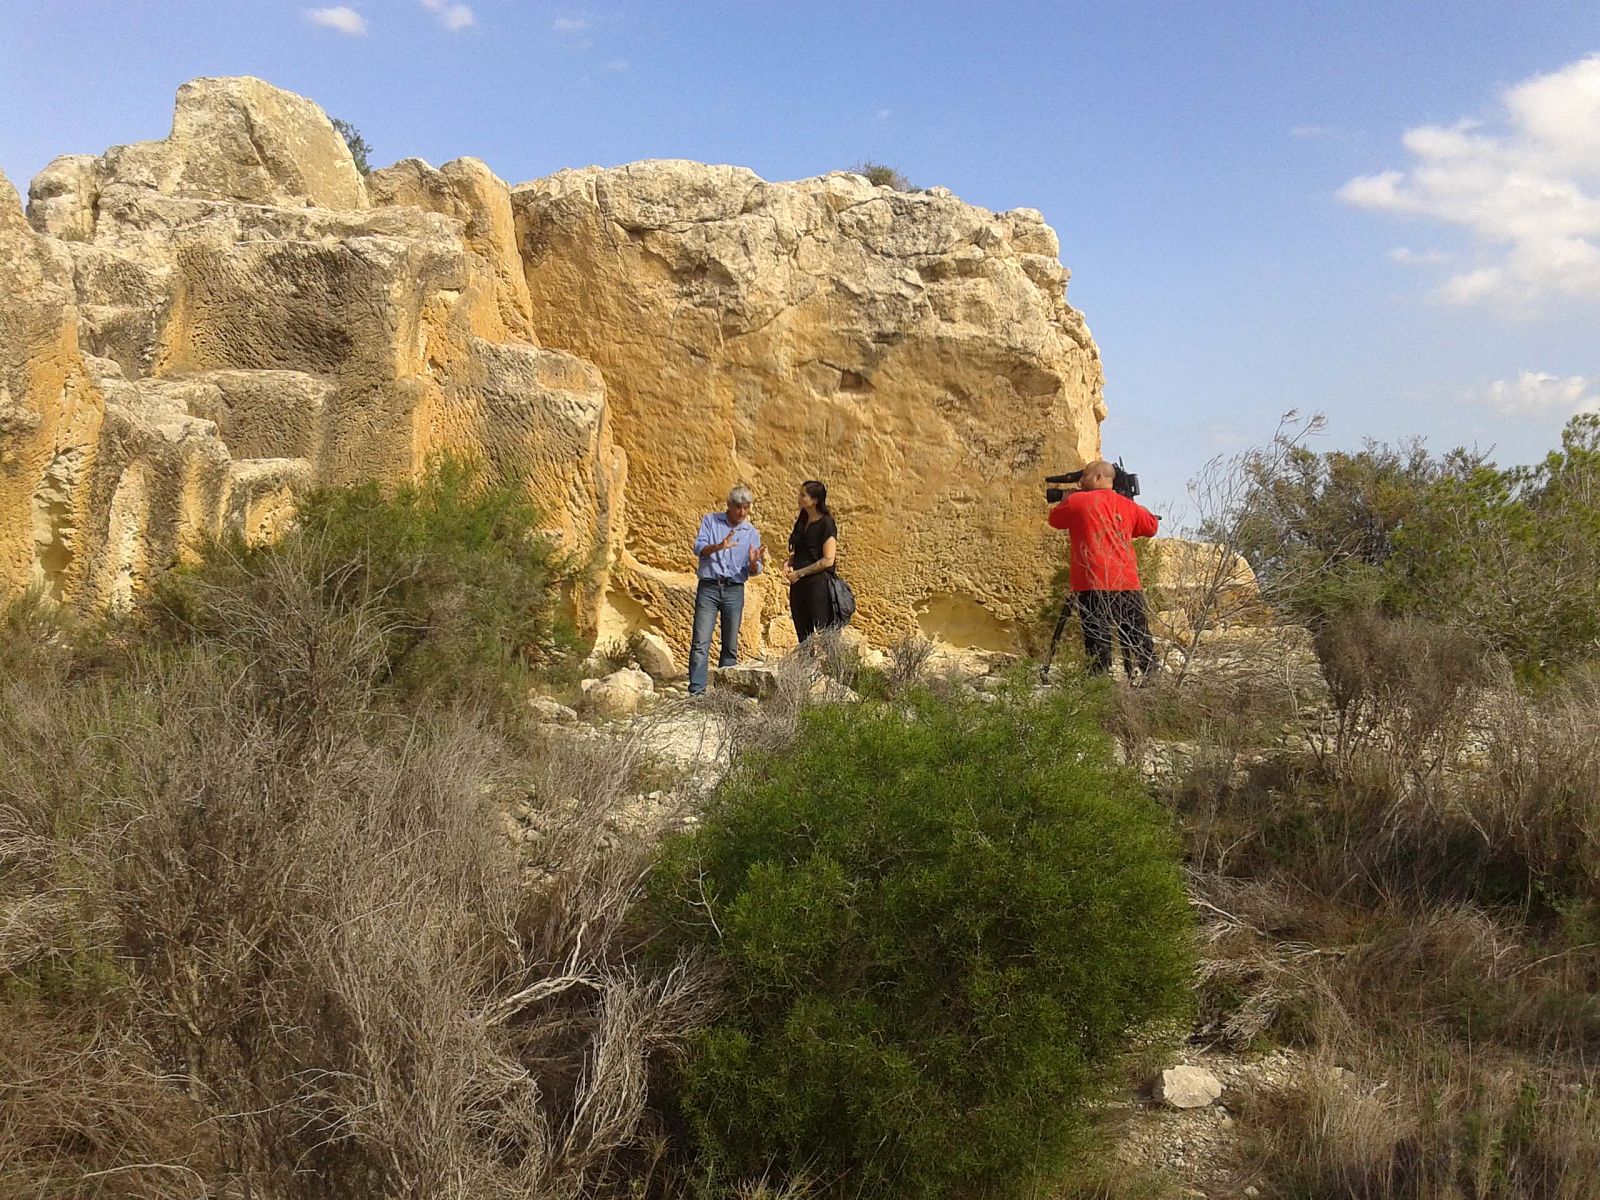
[748, 679]
[244, 303]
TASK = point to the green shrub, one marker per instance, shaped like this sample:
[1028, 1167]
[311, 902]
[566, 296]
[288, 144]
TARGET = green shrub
[468, 588]
[939, 920]
[1510, 557]
[360, 148]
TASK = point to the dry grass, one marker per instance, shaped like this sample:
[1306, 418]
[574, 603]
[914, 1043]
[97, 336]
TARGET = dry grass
[908, 663]
[282, 946]
[1401, 883]
[1424, 1121]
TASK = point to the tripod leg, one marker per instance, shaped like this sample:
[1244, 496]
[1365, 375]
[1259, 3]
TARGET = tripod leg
[1067, 606]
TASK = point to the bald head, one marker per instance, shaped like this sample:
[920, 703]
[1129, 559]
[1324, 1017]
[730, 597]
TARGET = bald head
[1098, 474]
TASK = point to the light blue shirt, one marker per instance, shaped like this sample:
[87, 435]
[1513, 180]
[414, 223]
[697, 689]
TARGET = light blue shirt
[732, 564]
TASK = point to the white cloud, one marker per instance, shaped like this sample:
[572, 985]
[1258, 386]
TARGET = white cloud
[1537, 392]
[570, 24]
[1527, 190]
[343, 18]
[454, 17]
[1325, 133]
[1419, 258]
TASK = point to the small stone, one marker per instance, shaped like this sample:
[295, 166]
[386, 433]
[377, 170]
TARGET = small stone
[749, 679]
[833, 692]
[551, 712]
[1187, 1087]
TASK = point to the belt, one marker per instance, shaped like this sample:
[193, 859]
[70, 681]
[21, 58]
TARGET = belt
[719, 580]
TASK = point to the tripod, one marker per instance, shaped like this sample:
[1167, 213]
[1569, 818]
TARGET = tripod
[1067, 608]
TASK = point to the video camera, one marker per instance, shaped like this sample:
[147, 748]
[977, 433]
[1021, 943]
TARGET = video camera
[1124, 483]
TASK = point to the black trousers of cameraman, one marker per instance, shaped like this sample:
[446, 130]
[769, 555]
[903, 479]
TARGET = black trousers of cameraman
[1105, 615]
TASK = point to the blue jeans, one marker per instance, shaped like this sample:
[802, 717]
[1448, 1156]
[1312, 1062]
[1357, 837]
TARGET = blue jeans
[710, 599]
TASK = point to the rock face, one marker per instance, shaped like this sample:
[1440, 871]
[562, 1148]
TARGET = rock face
[254, 325]
[50, 410]
[915, 353]
[196, 329]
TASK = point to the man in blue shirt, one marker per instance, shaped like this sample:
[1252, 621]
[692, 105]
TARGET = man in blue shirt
[730, 551]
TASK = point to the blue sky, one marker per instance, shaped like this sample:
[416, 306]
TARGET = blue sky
[1389, 212]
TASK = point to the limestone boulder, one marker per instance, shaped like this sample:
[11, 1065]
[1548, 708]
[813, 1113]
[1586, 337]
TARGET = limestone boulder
[62, 197]
[758, 680]
[551, 712]
[655, 657]
[241, 139]
[619, 694]
[468, 192]
[194, 330]
[1187, 1087]
[914, 352]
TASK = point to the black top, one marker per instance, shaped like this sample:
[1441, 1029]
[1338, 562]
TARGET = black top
[805, 543]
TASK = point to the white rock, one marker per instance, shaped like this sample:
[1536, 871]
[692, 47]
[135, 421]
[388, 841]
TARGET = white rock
[552, 712]
[1187, 1087]
[748, 679]
[619, 694]
[831, 691]
[655, 657]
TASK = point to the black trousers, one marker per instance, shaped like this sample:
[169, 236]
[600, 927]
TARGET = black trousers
[1105, 615]
[810, 605]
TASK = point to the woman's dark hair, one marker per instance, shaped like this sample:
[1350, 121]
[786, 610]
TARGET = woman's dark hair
[818, 491]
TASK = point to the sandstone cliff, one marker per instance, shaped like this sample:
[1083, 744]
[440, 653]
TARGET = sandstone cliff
[194, 329]
[913, 352]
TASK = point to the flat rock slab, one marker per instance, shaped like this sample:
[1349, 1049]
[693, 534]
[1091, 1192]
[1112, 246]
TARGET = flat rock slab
[748, 680]
[1187, 1087]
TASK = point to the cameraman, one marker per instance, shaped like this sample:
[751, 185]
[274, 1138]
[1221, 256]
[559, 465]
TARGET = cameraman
[1104, 573]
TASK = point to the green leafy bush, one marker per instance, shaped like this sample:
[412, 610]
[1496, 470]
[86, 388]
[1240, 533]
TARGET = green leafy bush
[1510, 557]
[469, 589]
[939, 920]
[360, 148]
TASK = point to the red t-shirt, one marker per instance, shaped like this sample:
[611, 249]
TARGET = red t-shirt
[1103, 525]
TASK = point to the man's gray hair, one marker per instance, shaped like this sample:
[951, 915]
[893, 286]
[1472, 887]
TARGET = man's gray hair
[740, 495]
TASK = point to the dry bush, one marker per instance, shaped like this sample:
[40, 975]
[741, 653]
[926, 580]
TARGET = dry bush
[86, 1112]
[1403, 691]
[836, 657]
[908, 661]
[318, 961]
[1424, 1125]
[749, 728]
[1230, 509]
[1534, 796]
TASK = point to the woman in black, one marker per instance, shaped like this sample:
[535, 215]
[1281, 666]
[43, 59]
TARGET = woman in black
[812, 546]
